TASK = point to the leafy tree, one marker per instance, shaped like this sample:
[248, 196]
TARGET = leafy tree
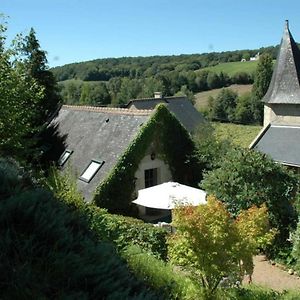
[242, 78]
[201, 81]
[71, 91]
[254, 226]
[209, 151]
[262, 80]
[246, 177]
[224, 79]
[185, 92]
[223, 106]
[85, 93]
[243, 111]
[130, 89]
[20, 97]
[99, 94]
[152, 85]
[246, 55]
[114, 86]
[210, 245]
[213, 80]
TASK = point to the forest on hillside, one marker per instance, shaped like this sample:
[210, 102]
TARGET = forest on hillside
[113, 81]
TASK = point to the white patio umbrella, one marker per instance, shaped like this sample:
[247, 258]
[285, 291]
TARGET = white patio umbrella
[169, 195]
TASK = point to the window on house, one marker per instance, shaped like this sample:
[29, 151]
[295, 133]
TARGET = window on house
[64, 157]
[150, 177]
[91, 170]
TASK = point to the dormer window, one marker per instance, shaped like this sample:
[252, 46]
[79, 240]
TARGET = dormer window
[91, 170]
[64, 157]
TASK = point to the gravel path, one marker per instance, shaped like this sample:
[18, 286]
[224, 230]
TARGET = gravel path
[271, 276]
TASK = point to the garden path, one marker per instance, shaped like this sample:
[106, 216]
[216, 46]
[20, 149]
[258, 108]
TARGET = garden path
[273, 277]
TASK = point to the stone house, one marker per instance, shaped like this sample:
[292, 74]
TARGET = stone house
[114, 152]
[280, 135]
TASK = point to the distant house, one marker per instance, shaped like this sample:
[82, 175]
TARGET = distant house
[114, 151]
[281, 133]
[181, 107]
[254, 58]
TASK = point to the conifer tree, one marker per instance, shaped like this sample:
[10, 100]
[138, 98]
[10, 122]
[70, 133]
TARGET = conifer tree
[20, 95]
[36, 63]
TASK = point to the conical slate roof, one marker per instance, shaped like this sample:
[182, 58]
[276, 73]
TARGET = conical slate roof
[285, 87]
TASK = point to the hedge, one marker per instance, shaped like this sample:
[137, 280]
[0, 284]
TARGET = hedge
[126, 231]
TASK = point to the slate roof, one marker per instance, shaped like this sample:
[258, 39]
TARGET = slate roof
[284, 87]
[281, 142]
[101, 134]
[181, 107]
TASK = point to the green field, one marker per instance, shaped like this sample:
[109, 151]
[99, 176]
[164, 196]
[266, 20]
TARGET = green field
[201, 99]
[233, 67]
[241, 135]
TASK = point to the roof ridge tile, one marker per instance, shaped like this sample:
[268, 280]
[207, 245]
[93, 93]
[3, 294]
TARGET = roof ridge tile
[112, 110]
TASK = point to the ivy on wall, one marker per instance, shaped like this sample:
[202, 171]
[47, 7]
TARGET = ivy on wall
[171, 142]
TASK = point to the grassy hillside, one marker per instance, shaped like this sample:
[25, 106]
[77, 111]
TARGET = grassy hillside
[233, 67]
[241, 135]
[201, 99]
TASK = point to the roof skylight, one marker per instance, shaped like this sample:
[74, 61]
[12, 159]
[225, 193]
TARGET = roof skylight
[91, 170]
[64, 157]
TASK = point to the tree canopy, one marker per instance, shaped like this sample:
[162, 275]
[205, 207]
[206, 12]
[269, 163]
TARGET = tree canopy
[247, 177]
[20, 95]
[261, 83]
[28, 96]
[211, 245]
[35, 62]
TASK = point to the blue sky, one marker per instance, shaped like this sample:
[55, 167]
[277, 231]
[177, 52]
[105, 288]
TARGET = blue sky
[75, 30]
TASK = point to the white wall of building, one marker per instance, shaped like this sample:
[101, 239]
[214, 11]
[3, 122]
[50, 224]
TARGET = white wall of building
[163, 174]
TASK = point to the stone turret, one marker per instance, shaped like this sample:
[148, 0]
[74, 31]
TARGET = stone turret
[282, 100]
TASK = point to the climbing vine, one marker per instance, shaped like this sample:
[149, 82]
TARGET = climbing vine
[172, 143]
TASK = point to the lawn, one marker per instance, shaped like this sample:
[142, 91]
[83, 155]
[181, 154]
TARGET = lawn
[233, 67]
[241, 135]
[201, 99]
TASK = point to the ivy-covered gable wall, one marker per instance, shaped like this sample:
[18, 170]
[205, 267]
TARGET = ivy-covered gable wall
[173, 144]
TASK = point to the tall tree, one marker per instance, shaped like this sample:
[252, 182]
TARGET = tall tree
[210, 245]
[20, 95]
[246, 177]
[262, 80]
[36, 63]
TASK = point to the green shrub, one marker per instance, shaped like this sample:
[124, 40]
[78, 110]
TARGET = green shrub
[160, 276]
[126, 231]
[247, 177]
[172, 283]
[296, 246]
[64, 187]
[49, 252]
[251, 292]
[120, 230]
[13, 180]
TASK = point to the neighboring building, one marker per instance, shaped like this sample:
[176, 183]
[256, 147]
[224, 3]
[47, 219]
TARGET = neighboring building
[97, 141]
[281, 133]
[255, 58]
[181, 107]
